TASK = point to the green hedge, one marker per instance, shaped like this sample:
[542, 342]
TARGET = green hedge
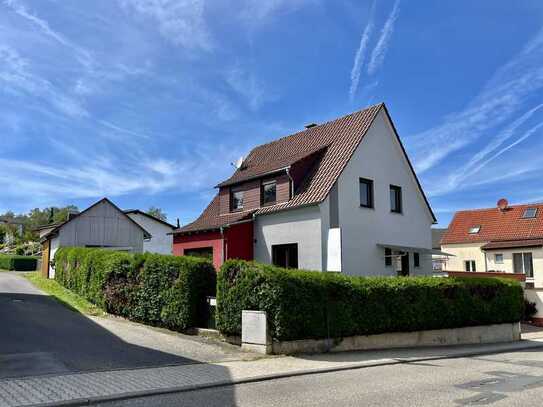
[155, 289]
[18, 263]
[307, 304]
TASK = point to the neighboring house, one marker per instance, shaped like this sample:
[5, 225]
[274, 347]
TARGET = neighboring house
[506, 239]
[341, 196]
[15, 228]
[101, 225]
[161, 231]
[439, 261]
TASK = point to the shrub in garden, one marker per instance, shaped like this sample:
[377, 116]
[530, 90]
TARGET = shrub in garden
[18, 263]
[150, 288]
[307, 304]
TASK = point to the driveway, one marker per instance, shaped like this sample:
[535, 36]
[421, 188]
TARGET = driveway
[41, 336]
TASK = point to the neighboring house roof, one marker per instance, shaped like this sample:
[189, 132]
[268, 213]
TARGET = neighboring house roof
[495, 225]
[336, 139]
[437, 234]
[138, 212]
[511, 244]
[56, 227]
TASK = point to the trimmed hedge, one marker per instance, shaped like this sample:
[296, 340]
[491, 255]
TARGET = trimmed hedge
[307, 304]
[154, 289]
[18, 263]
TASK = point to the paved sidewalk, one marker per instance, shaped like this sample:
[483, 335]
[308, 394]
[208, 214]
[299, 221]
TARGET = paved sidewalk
[85, 388]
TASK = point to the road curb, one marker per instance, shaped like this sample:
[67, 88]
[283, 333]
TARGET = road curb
[304, 372]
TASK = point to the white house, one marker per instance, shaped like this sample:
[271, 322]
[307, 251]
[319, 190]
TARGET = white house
[101, 225]
[161, 232]
[341, 196]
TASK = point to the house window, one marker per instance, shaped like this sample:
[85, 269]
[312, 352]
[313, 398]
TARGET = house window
[469, 265]
[395, 199]
[529, 213]
[523, 263]
[416, 259]
[285, 255]
[474, 229]
[366, 193]
[498, 258]
[236, 200]
[268, 193]
[202, 252]
[388, 257]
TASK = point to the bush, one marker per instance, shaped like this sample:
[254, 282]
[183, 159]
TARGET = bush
[306, 304]
[150, 288]
[18, 263]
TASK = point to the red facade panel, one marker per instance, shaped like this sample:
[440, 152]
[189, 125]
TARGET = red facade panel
[198, 241]
[239, 241]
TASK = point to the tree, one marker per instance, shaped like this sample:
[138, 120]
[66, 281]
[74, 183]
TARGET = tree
[157, 213]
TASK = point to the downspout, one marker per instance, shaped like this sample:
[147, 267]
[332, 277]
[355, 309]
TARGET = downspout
[223, 254]
[291, 189]
[486, 264]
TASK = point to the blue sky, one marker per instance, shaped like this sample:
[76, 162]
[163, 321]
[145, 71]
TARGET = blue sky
[149, 101]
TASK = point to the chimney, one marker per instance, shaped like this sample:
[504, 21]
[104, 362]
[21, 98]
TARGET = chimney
[502, 204]
[311, 125]
[178, 223]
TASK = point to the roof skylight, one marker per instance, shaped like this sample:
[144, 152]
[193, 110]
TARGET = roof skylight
[474, 229]
[529, 213]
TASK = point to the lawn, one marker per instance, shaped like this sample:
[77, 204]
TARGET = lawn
[63, 295]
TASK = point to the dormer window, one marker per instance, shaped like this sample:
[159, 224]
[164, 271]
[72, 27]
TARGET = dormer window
[268, 193]
[529, 213]
[474, 229]
[236, 200]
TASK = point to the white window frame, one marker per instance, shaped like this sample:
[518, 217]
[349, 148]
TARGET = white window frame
[528, 278]
[496, 258]
[470, 266]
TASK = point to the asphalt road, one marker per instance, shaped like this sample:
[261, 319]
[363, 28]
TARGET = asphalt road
[509, 379]
[38, 335]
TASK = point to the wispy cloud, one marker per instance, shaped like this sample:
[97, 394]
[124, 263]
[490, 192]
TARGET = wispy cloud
[255, 11]
[379, 52]
[246, 84]
[497, 104]
[360, 55]
[181, 22]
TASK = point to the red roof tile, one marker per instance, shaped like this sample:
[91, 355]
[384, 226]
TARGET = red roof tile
[496, 225]
[509, 244]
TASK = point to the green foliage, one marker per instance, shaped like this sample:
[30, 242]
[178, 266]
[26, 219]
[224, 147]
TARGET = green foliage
[307, 304]
[150, 288]
[18, 263]
[157, 213]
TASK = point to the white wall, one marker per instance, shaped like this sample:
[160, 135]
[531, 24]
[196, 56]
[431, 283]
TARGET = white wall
[54, 244]
[302, 226]
[379, 157]
[160, 241]
[463, 252]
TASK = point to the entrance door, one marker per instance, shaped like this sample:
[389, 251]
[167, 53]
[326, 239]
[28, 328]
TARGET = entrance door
[405, 264]
[45, 253]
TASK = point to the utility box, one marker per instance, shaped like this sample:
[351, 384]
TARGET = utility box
[254, 332]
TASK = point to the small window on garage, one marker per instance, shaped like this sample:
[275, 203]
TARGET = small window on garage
[498, 258]
[202, 252]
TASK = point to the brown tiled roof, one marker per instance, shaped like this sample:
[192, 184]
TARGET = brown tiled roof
[510, 244]
[337, 140]
[211, 219]
[496, 225]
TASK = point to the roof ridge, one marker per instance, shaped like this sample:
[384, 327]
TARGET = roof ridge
[540, 203]
[319, 125]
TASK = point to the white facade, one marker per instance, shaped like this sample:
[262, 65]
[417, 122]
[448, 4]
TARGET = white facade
[54, 244]
[160, 242]
[362, 231]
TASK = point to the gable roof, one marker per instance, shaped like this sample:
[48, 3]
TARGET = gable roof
[437, 234]
[496, 225]
[138, 212]
[58, 226]
[336, 140]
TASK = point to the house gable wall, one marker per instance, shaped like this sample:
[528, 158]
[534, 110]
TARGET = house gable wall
[379, 157]
[102, 225]
[161, 241]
